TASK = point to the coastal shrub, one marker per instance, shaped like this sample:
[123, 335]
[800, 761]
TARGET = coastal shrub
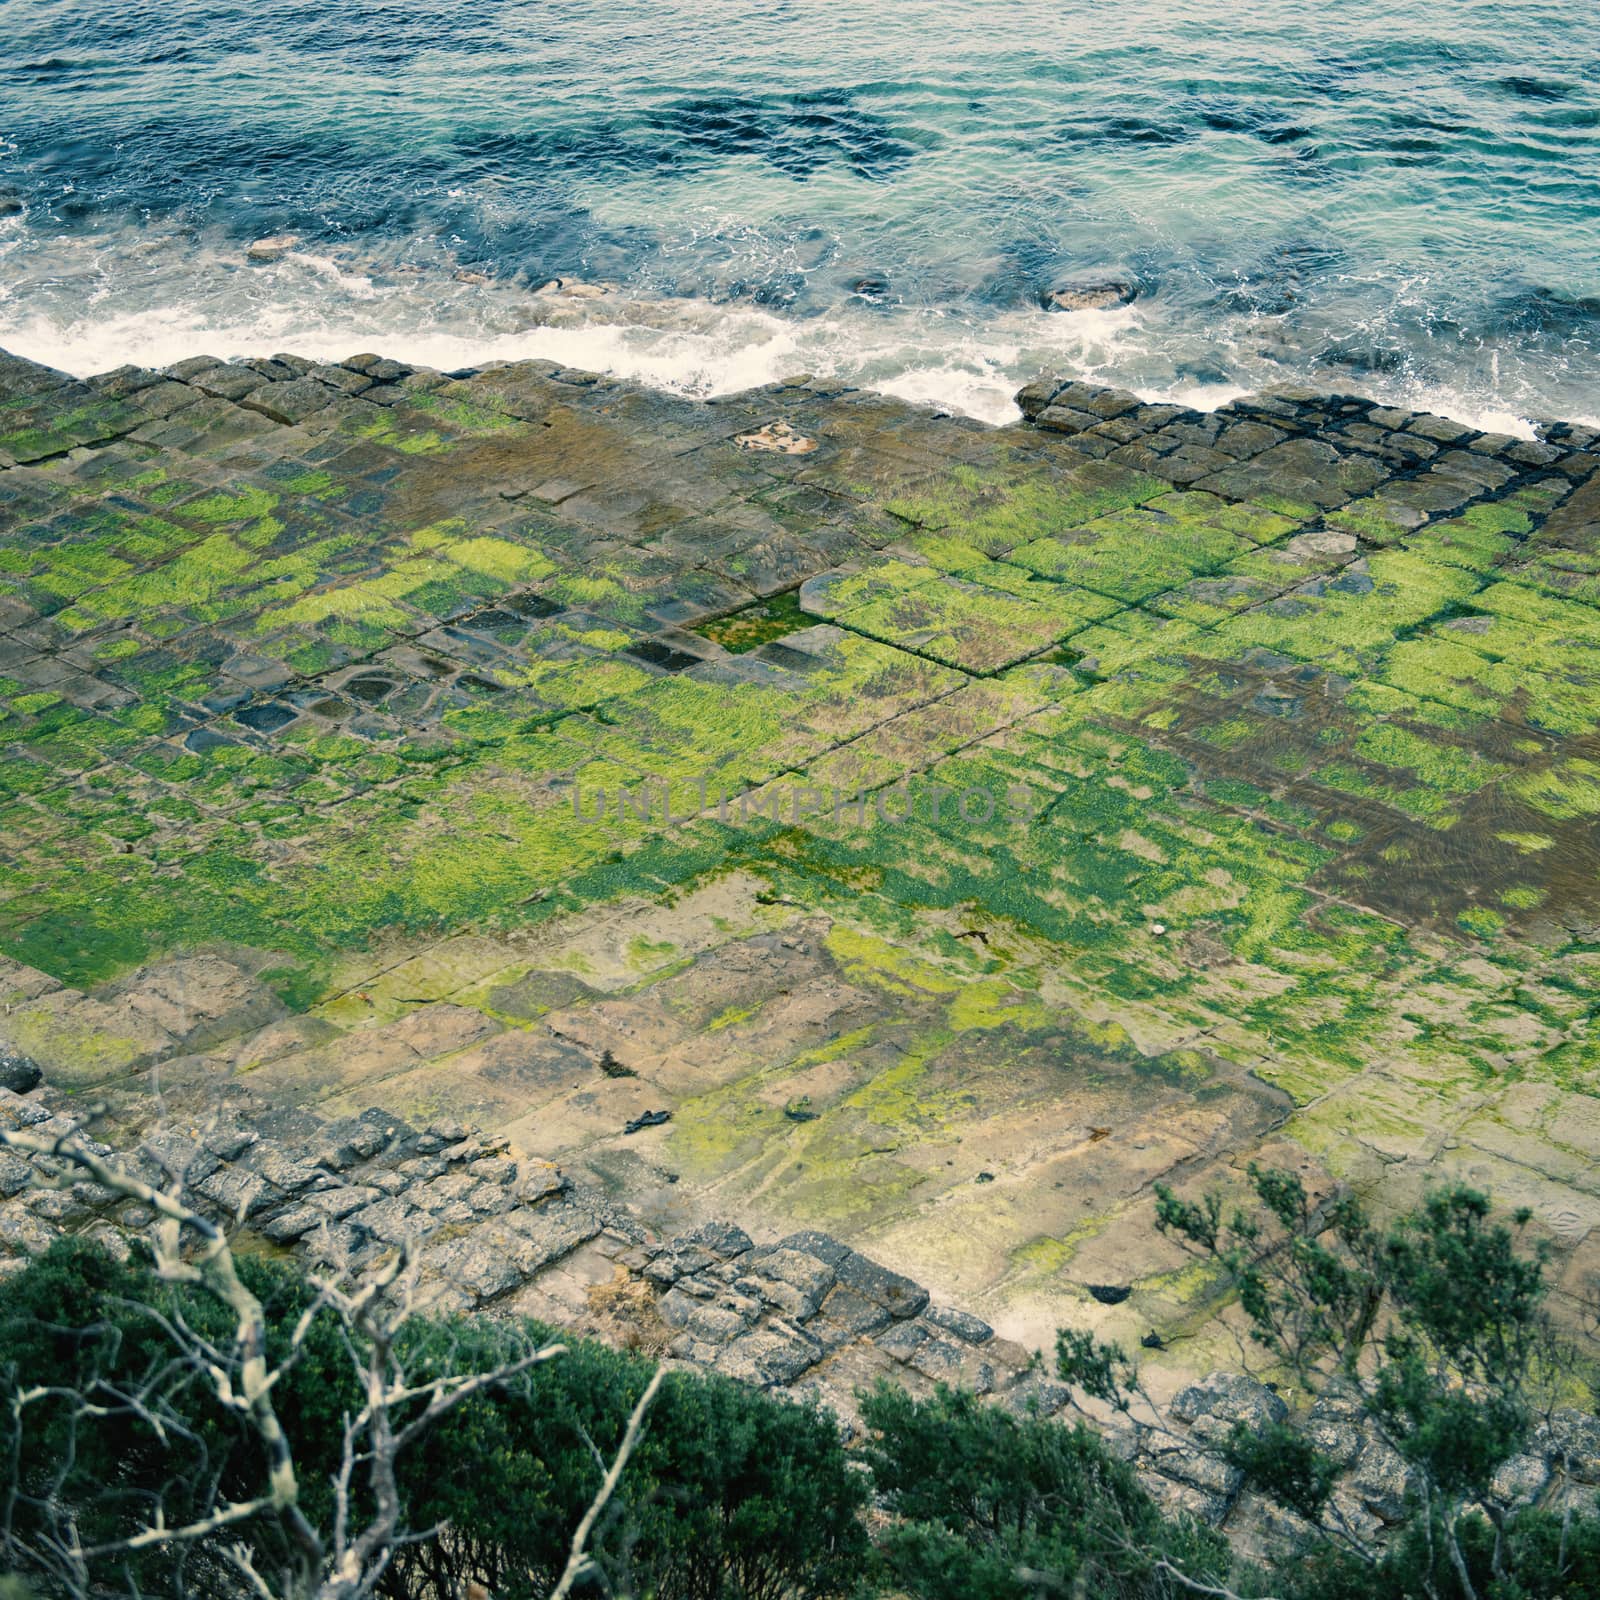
[755, 1498]
[1431, 1331]
[118, 1422]
[991, 1506]
[730, 1493]
[1541, 1556]
[1430, 1339]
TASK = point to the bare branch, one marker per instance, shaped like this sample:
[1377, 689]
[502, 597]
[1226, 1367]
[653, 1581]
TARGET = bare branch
[1196, 1585]
[578, 1559]
[214, 1270]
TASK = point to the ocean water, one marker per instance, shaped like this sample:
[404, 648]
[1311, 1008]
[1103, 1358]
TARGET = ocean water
[1402, 200]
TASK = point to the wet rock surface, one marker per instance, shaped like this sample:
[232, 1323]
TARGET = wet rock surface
[1090, 294]
[1033, 813]
[18, 1073]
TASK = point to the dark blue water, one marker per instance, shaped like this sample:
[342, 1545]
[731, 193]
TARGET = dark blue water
[1402, 200]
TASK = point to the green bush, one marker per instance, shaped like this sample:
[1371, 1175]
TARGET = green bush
[1433, 1332]
[1434, 1327]
[1542, 1557]
[731, 1493]
[90, 1331]
[991, 1506]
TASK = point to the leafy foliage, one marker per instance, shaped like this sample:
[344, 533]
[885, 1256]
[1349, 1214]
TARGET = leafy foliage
[1434, 1331]
[731, 1492]
[117, 1423]
[990, 1506]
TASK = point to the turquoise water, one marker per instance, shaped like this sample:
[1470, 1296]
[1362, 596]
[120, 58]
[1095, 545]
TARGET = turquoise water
[1403, 200]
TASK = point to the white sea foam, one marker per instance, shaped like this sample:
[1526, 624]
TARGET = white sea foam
[142, 309]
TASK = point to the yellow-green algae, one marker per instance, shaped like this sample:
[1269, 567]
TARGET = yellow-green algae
[1282, 759]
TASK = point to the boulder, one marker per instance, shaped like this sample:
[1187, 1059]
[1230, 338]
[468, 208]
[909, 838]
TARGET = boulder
[1218, 1402]
[965, 1326]
[18, 1072]
[897, 1294]
[1199, 1468]
[797, 1268]
[767, 1356]
[846, 1315]
[721, 1238]
[1571, 1441]
[1382, 1481]
[1520, 1481]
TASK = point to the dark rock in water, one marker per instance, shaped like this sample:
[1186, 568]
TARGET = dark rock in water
[1279, 281]
[370, 689]
[10, 206]
[660, 655]
[530, 605]
[1525, 88]
[1110, 131]
[870, 287]
[799, 135]
[1360, 357]
[1090, 294]
[1109, 1294]
[18, 1073]
[1538, 309]
[1201, 372]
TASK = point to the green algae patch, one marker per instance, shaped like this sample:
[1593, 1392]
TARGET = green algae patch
[994, 1003]
[1569, 790]
[757, 625]
[1346, 620]
[1133, 555]
[985, 618]
[865, 958]
[1305, 798]
[994, 512]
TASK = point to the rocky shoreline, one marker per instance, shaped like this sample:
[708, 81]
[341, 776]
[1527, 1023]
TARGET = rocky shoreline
[498, 1234]
[308, 670]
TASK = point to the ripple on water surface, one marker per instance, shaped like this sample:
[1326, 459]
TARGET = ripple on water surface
[1409, 205]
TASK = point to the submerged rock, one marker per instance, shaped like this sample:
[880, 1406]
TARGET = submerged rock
[1091, 294]
[273, 248]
